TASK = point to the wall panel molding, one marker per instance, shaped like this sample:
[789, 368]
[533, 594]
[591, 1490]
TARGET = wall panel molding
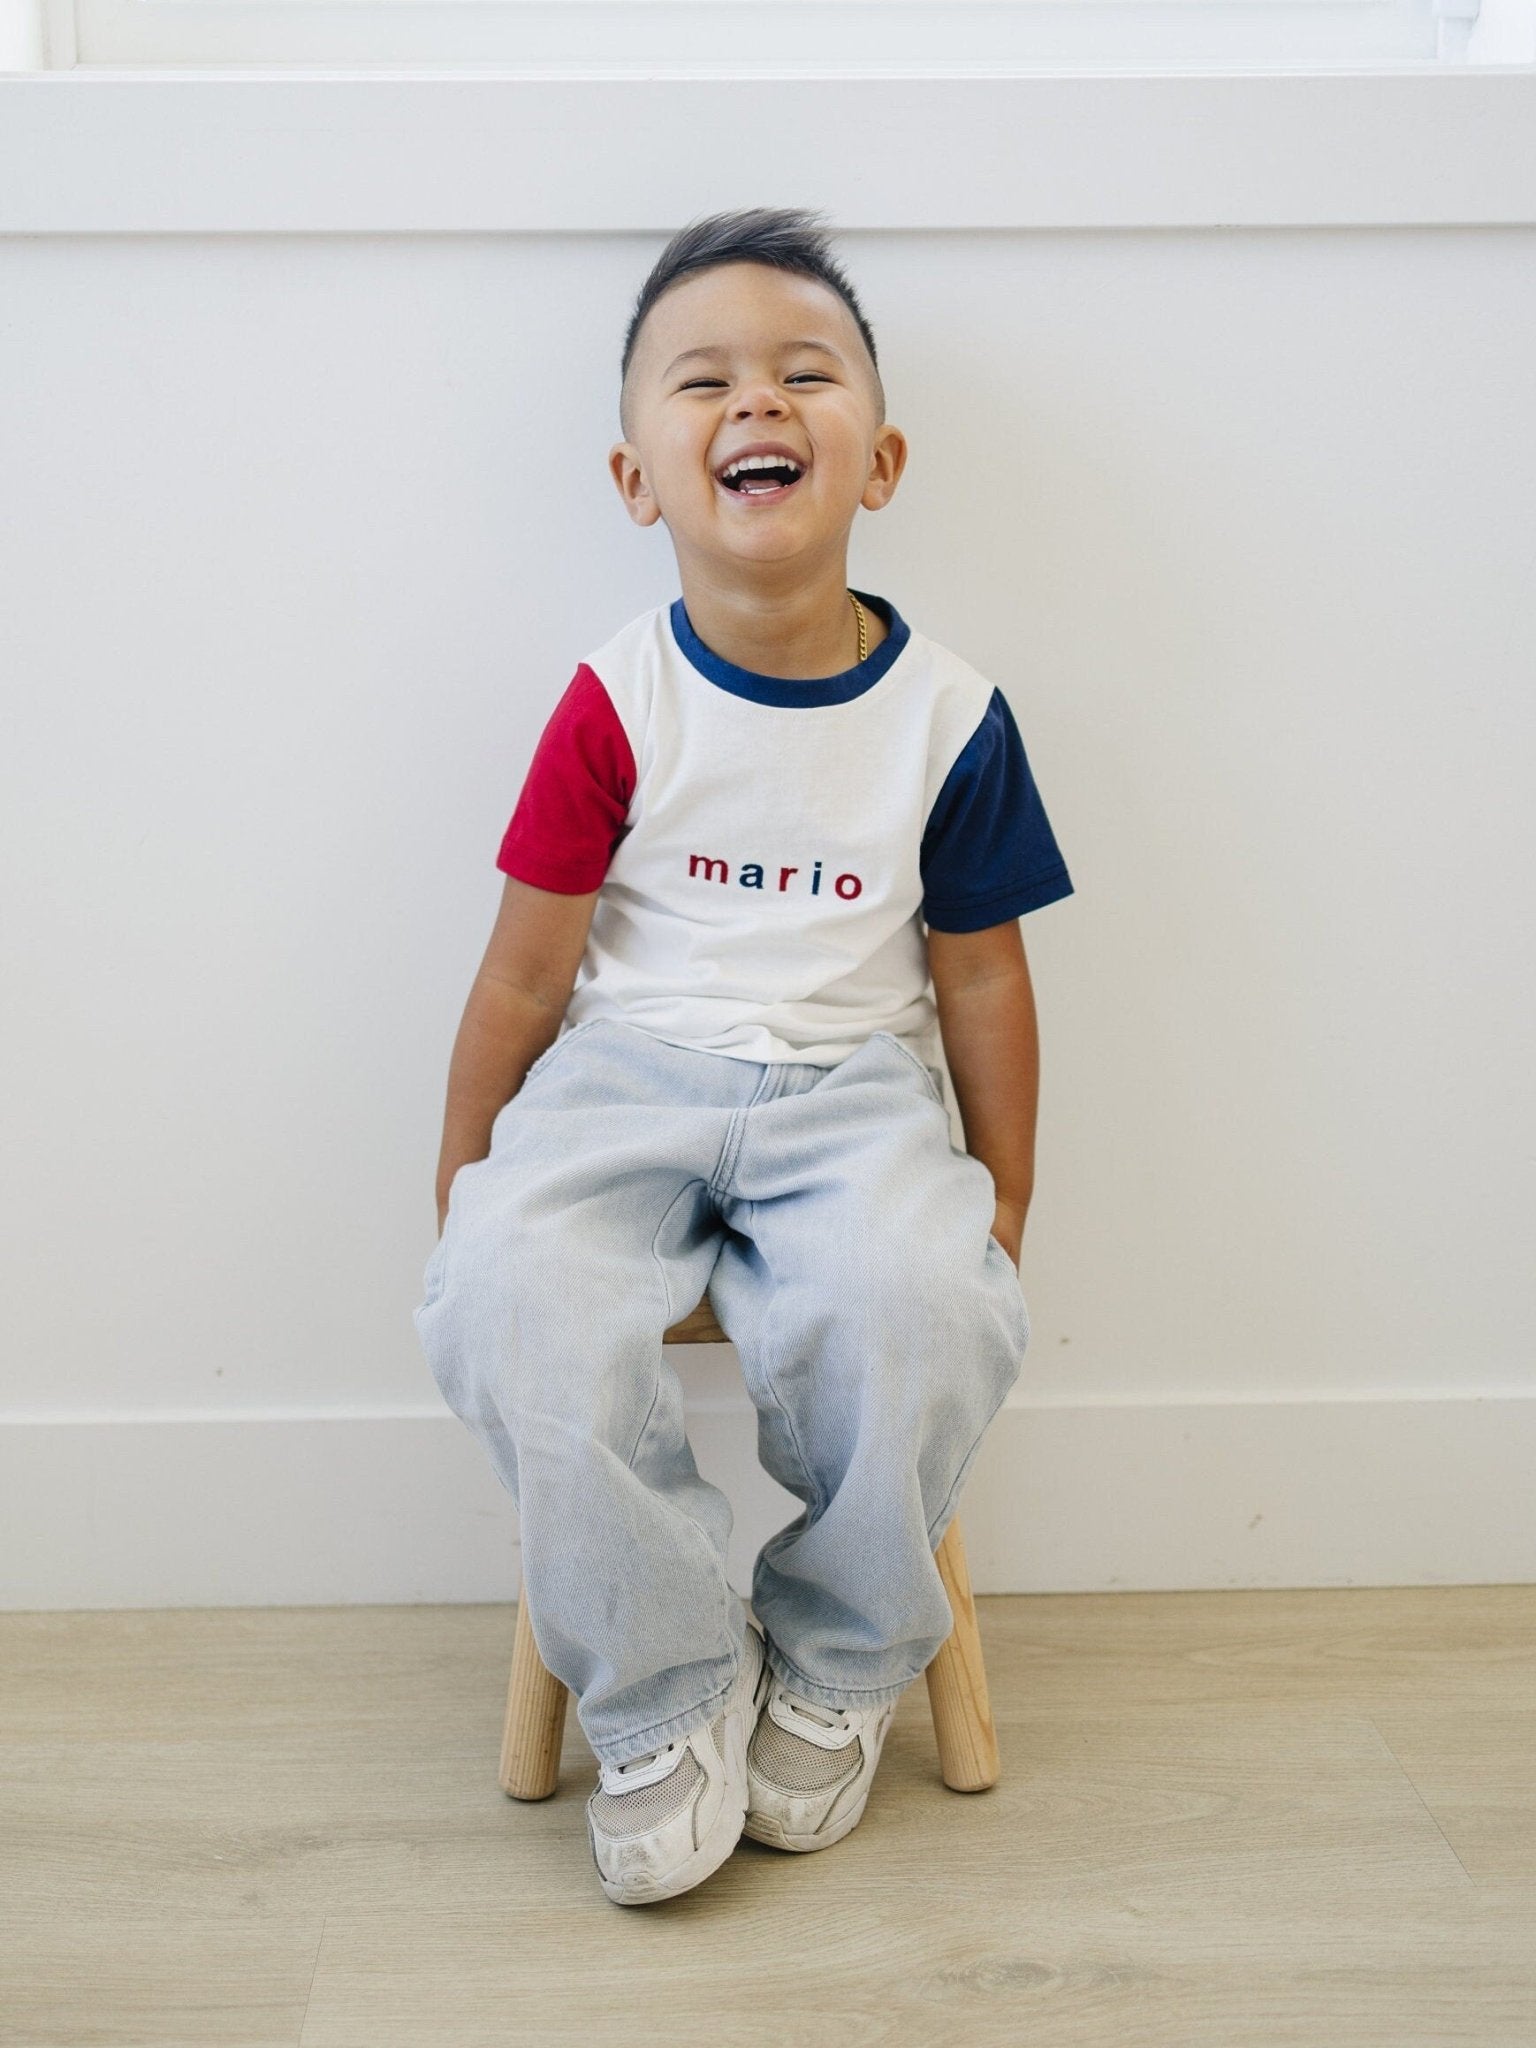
[1119, 1495]
[194, 153]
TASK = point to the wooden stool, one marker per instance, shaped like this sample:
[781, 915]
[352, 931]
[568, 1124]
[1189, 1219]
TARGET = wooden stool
[957, 1678]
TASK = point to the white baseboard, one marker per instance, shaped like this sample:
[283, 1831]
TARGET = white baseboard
[321, 1510]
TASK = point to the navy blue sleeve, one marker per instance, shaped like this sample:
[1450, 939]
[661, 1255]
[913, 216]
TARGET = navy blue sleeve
[988, 853]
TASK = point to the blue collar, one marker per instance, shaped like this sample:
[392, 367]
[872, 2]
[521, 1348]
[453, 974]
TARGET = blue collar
[745, 682]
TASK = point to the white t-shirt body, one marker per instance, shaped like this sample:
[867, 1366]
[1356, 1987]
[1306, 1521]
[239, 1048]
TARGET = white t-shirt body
[768, 852]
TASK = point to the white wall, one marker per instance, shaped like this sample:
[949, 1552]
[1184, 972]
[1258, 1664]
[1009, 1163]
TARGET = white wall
[304, 535]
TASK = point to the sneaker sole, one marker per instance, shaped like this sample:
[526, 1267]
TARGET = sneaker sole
[722, 1838]
[762, 1827]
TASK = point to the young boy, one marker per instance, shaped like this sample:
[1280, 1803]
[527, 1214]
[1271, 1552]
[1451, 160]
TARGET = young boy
[758, 822]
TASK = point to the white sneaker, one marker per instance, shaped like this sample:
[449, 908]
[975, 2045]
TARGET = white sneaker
[810, 1768]
[662, 1823]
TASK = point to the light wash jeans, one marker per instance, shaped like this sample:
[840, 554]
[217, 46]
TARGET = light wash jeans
[845, 1242]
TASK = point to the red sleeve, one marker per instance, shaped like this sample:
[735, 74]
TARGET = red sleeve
[576, 795]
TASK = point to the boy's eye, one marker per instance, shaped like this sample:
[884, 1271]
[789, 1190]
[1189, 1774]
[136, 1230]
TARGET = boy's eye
[701, 383]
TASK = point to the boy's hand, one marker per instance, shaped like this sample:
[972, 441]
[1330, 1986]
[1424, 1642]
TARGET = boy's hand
[1008, 1229]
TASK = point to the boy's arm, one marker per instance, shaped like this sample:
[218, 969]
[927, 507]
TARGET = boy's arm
[514, 1013]
[986, 1006]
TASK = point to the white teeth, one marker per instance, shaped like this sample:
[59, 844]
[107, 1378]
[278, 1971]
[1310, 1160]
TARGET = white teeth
[760, 462]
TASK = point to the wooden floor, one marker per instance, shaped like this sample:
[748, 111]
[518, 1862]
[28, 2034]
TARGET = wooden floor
[1248, 1820]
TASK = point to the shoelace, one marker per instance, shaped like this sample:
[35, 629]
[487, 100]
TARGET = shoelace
[636, 1763]
[611, 1777]
[824, 1717]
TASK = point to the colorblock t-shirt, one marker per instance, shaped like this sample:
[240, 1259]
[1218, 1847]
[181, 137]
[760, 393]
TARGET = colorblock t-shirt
[768, 852]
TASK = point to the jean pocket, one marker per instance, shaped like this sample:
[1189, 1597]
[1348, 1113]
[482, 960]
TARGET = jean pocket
[432, 1278]
[1002, 1258]
[551, 1052]
[931, 1078]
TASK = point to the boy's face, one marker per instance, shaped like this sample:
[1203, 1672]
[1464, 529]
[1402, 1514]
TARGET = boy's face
[758, 381]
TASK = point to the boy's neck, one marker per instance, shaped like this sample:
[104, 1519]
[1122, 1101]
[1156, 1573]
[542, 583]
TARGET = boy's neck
[801, 637]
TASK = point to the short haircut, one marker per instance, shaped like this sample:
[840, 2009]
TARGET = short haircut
[784, 237]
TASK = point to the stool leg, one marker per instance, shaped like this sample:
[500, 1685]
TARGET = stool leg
[957, 1682]
[535, 1723]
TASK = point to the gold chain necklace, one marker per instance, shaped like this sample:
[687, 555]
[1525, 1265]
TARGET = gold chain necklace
[863, 629]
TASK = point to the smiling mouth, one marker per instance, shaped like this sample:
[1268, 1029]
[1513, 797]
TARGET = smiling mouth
[762, 486]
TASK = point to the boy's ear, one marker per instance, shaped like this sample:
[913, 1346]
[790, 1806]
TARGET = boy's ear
[629, 478]
[885, 472]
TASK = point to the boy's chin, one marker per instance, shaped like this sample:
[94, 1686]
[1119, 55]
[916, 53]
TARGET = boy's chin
[768, 543]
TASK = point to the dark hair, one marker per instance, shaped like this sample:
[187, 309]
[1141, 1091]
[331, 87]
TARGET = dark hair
[784, 237]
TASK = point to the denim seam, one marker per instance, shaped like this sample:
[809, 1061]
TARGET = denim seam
[735, 1136]
[634, 1451]
[666, 1296]
[666, 1284]
[811, 1480]
[728, 1151]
